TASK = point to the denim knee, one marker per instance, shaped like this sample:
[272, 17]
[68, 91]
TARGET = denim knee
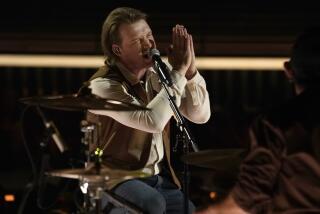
[154, 205]
[151, 205]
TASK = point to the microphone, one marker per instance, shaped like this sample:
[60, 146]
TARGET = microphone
[161, 67]
[53, 132]
[56, 136]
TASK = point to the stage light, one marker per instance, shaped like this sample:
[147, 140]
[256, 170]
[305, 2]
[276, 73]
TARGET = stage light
[213, 195]
[89, 61]
[9, 198]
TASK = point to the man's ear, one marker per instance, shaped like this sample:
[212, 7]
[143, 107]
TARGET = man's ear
[116, 50]
[288, 71]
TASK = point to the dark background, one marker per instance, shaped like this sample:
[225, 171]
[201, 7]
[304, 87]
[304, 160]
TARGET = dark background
[264, 27]
[219, 28]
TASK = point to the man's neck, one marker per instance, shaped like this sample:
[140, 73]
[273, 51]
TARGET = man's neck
[141, 74]
[138, 73]
[133, 75]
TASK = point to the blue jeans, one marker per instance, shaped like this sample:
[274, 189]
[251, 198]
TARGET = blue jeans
[154, 195]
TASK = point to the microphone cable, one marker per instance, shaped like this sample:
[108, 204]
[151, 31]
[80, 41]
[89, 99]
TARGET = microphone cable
[30, 186]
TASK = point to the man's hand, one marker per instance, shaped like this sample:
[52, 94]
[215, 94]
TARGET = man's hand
[192, 70]
[179, 53]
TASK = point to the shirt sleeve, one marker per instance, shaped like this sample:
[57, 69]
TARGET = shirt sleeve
[151, 120]
[195, 104]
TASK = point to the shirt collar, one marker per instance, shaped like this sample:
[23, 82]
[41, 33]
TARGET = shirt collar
[132, 79]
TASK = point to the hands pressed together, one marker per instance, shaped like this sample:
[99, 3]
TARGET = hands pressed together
[181, 52]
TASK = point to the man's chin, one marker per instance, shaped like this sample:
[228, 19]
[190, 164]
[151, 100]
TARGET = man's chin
[148, 62]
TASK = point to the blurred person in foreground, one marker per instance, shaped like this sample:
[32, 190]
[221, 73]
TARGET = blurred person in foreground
[281, 173]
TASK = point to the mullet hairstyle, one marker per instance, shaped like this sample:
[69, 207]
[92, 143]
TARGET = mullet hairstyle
[110, 29]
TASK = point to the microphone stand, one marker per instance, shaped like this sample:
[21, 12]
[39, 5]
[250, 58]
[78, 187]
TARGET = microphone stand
[184, 134]
[45, 158]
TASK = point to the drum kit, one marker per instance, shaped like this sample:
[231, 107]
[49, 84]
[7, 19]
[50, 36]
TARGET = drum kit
[93, 177]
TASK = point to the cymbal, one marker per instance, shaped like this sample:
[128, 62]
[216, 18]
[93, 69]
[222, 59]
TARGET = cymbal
[75, 102]
[227, 160]
[105, 174]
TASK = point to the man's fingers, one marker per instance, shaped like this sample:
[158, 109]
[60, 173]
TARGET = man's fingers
[192, 48]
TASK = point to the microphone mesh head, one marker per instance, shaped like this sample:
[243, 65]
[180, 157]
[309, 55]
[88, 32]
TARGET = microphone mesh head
[154, 52]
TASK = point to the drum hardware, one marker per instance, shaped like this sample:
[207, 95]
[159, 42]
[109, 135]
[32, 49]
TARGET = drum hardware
[90, 136]
[92, 183]
[92, 178]
[227, 160]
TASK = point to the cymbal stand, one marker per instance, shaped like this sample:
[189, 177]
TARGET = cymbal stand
[92, 189]
[88, 130]
[97, 186]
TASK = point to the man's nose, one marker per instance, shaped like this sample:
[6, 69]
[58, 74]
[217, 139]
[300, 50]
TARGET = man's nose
[149, 44]
[152, 43]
